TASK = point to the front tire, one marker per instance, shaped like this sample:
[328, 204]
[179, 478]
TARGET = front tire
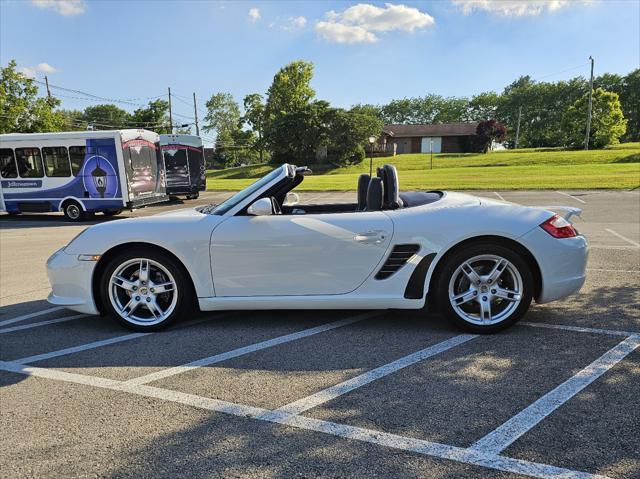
[146, 290]
[485, 288]
[73, 211]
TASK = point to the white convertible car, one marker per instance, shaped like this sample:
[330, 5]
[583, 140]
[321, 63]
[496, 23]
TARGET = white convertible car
[479, 261]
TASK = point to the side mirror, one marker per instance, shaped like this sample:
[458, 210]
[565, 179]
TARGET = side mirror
[292, 199]
[261, 207]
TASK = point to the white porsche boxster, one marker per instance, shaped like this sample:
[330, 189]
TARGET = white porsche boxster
[479, 261]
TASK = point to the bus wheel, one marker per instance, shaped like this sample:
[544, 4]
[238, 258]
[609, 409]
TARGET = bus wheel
[73, 211]
[194, 196]
[111, 212]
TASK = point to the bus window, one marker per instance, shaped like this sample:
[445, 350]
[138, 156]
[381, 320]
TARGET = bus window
[56, 161]
[76, 153]
[29, 163]
[7, 163]
[141, 157]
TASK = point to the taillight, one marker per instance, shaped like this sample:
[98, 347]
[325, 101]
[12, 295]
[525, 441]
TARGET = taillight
[558, 227]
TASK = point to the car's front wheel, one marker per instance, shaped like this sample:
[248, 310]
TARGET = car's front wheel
[485, 288]
[146, 290]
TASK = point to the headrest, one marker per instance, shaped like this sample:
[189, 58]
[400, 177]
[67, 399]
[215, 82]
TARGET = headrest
[391, 187]
[363, 185]
[374, 195]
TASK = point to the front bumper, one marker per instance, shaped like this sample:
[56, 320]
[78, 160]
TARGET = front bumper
[562, 263]
[70, 281]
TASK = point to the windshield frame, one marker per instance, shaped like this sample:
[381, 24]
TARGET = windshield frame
[246, 196]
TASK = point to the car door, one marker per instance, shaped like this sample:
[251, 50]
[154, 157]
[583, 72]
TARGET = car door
[315, 254]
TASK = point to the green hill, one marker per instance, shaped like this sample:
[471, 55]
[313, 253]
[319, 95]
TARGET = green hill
[614, 167]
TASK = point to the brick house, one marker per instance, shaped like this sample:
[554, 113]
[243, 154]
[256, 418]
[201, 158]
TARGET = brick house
[446, 138]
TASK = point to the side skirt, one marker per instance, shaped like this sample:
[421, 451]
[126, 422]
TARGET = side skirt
[346, 301]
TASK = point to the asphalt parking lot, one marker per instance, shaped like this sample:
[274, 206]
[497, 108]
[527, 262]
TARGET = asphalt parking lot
[326, 393]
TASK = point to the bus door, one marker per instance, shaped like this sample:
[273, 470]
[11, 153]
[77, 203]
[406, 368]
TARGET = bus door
[143, 168]
[177, 165]
[197, 169]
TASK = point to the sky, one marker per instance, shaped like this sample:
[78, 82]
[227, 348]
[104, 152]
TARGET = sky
[369, 52]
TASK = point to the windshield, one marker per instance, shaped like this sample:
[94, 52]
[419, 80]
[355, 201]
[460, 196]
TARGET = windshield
[229, 203]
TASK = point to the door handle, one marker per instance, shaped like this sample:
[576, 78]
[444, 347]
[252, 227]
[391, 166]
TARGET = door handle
[374, 237]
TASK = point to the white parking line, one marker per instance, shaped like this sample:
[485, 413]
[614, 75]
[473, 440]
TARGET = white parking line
[579, 329]
[30, 315]
[82, 347]
[309, 402]
[499, 195]
[506, 434]
[571, 196]
[417, 446]
[165, 373]
[42, 323]
[624, 238]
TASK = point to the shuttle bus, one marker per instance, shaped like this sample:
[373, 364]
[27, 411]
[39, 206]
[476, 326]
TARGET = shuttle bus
[80, 173]
[184, 161]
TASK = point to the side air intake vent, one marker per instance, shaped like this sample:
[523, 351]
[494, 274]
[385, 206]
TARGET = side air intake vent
[397, 259]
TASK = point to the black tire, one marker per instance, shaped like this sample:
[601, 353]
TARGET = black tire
[193, 196]
[450, 268]
[186, 298]
[73, 211]
[111, 212]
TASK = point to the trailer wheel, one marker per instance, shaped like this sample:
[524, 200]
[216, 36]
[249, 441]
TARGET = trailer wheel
[73, 211]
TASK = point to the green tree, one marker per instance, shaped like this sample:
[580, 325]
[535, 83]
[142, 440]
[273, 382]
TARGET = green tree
[291, 88]
[607, 123]
[484, 106]
[349, 133]
[630, 100]
[223, 114]
[22, 111]
[106, 117]
[154, 117]
[254, 116]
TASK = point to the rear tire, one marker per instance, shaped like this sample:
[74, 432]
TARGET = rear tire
[73, 211]
[484, 288]
[146, 289]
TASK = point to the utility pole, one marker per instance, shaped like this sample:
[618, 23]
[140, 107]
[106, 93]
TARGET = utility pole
[195, 111]
[518, 126]
[46, 81]
[586, 140]
[170, 116]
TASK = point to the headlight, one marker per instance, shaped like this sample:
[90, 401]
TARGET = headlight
[75, 238]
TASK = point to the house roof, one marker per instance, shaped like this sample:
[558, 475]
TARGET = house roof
[442, 129]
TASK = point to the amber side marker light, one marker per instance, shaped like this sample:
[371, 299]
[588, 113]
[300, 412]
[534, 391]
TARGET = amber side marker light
[89, 257]
[558, 227]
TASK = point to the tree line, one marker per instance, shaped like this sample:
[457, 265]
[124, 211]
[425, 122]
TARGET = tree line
[289, 123]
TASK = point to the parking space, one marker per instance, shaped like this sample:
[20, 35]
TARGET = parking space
[326, 393]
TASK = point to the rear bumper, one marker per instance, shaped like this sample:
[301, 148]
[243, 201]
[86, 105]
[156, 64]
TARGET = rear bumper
[562, 263]
[71, 282]
[147, 200]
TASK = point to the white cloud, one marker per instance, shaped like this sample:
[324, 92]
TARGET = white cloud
[516, 8]
[358, 23]
[254, 15]
[63, 7]
[296, 23]
[32, 72]
[339, 33]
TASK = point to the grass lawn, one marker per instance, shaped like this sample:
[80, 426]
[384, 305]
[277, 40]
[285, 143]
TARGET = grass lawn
[545, 168]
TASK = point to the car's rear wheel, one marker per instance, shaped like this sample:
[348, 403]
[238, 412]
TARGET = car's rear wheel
[146, 290]
[485, 288]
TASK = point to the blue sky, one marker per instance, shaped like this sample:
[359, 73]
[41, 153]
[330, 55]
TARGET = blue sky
[363, 53]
